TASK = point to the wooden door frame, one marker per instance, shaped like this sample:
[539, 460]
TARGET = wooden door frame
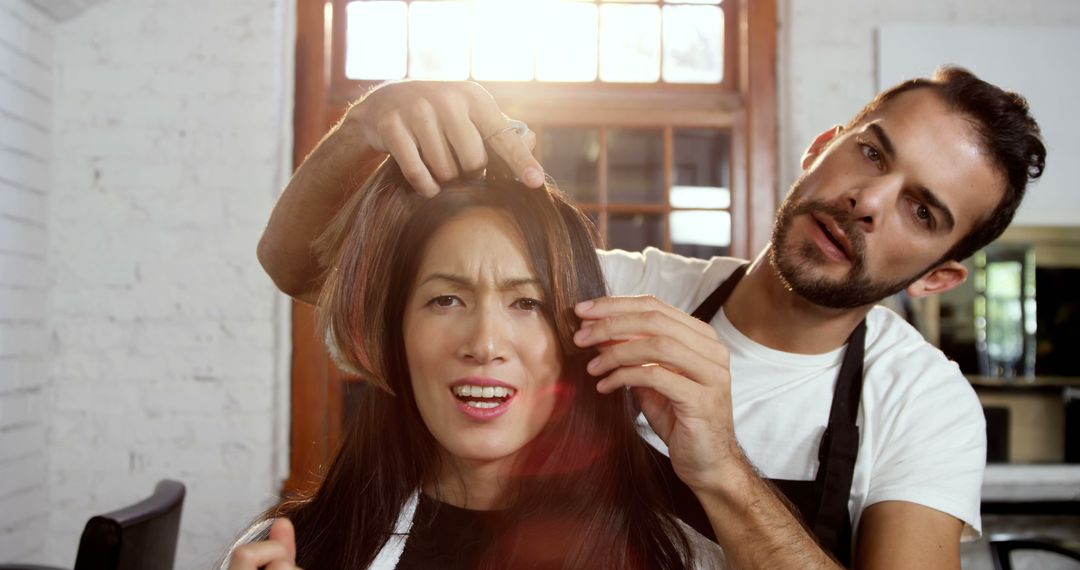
[316, 390]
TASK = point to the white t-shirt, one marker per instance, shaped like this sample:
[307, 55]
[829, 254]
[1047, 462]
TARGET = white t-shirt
[922, 429]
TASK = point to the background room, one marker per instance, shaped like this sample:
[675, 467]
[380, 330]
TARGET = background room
[143, 143]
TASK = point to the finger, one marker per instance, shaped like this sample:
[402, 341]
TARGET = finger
[283, 531]
[678, 390]
[252, 556]
[518, 157]
[466, 143]
[664, 351]
[401, 145]
[602, 307]
[433, 147]
[630, 326]
[281, 565]
[657, 411]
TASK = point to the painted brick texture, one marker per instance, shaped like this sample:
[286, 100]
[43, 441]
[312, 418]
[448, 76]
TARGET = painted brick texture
[168, 121]
[26, 75]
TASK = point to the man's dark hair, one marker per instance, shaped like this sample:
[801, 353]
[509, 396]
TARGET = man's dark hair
[1007, 132]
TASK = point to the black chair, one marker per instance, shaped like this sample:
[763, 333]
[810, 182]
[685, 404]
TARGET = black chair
[138, 537]
[1002, 547]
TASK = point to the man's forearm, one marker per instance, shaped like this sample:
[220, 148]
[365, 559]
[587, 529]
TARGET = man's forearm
[337, 167]
[756, 528]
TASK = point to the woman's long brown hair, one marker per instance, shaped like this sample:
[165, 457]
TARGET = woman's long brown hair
[584, 490]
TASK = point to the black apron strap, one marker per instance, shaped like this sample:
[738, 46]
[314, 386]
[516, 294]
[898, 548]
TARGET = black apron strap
[839, 449]
[708, 308]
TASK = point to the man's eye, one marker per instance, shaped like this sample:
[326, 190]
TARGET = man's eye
[871, 153]
[923, 214]
[526, 304]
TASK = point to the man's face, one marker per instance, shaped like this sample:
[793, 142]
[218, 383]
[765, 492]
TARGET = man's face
[878, 205]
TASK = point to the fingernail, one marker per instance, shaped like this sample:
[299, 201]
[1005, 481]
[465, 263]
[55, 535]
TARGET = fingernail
[581, 336]
[532, 176]
[593, 365]
[583, 306]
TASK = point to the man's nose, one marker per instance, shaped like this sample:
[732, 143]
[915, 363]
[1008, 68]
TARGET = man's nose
[485, 339]
[870, 202]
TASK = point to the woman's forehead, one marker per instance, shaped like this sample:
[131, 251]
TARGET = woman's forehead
[480, 244]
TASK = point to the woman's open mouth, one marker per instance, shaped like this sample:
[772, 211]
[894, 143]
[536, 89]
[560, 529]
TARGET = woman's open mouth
[482, 402]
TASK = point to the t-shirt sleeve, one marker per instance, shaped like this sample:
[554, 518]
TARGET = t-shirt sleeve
[931, 444]
[681, 282]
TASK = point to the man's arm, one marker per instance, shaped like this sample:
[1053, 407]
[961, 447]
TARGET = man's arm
[436, 131]
[680, 374]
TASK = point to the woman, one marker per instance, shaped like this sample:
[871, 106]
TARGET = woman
[481, 441]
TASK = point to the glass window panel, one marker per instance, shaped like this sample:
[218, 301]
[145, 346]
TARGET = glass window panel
[503, 42]
[569, 55]
[439, 34]
[375, 40]
[714, 2]
[569, 155]
[702, 169]
[701, 227]
[693, 44]
[635, 165]
[635, 232]
[629, 43]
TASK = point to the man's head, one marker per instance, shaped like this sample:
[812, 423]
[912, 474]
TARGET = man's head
[926, 174]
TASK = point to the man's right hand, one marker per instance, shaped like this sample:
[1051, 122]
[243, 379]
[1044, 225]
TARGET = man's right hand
[436, 132]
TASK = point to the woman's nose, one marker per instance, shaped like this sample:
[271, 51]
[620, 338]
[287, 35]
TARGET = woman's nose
[485, 338]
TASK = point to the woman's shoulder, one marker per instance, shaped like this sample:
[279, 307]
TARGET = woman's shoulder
[707, 554]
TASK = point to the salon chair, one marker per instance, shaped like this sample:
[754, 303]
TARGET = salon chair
[1002, 547]
[137, 537]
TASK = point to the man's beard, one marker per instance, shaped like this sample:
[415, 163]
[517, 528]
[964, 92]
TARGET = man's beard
[794, 265]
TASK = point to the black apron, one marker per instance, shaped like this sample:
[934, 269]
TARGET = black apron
[822, 503]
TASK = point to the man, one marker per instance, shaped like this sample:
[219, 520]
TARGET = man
[805, 426]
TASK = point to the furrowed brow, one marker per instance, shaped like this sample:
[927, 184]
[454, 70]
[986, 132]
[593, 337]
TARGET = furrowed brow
[886, 142]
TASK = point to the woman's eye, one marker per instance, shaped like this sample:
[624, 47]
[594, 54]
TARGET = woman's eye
[445, 301]
[527, 304]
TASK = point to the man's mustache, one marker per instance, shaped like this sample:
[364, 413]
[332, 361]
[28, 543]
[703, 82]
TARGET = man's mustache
[843, 218]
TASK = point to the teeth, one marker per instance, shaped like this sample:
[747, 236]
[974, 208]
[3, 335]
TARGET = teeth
[475, 404]
[468, 391]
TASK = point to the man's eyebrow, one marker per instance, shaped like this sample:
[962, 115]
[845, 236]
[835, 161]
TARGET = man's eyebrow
[886, 142]
[928, 196]
[511, 283]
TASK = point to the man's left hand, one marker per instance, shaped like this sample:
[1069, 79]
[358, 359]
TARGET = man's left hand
[680, 374]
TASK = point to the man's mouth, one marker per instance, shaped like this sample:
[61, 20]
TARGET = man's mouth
[482, 397]
[841, 244]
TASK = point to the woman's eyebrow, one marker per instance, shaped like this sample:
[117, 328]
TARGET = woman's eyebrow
[462, 281]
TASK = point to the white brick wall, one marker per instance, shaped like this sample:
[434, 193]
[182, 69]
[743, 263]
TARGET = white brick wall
[827, 54]
[26, 71]
[172, 123]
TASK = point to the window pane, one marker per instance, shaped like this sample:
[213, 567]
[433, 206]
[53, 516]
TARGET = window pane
[569, 55]
[569, 156]
[635, 232]
[439, 34]
[702, 169]
[700, 233]
[693, 44]
[375, 46]
[694, 2]
[636, 165]
[629, 43]
[503, 42]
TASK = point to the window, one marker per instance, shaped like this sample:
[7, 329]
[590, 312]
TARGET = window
[680, 41]
[656, 117]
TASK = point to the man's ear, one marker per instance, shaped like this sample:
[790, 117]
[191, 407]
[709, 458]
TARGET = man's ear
[940, 279]
[821, 142]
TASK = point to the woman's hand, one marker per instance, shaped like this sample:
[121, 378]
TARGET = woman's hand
[436, 131]
[278, 552]
[679, 372]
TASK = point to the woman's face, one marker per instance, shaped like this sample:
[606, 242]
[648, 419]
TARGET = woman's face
[484, 360]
